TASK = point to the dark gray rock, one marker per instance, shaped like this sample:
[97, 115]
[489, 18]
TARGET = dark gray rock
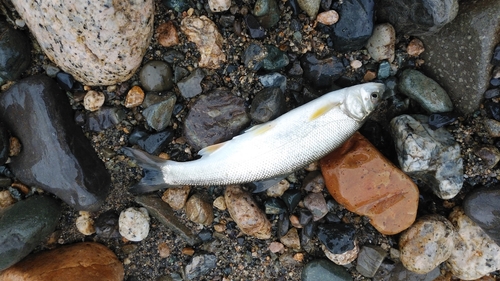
[324, 270]
[321, 73]
[190, 86]
[267, 12]
[106, 225]
[155, 143]
[156, 76]
[417, 17]
[458, 56]
[338, 238]
[15, 53]
[200, 264]
[483, 207]
[267, 105]
[56, 155]
[158, 115]
[24, 225]
[369, 260]
[104, 118]
[4, 144]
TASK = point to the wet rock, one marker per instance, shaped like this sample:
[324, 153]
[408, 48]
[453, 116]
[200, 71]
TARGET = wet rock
[176, 197]
[217, 6]
[166, 34]
[278, 189]
[38, 113]
[431, 156]
[163, 213]
[492, 109]
[324, 270]
[482, 207]
[415, 47]
[425, 91]
[24, 225]
[87, 260]
[65, 80]
[4, 144]
[155, 143]
[276, 247]
[315, 202]
[338, 242]
[106, 225]
[416, 18]
[104, 118]
[156, 76]
[215, 117]
[328, 17]
[492, 127]
[85, 224]
[245, 212]
[399, 273]
[313, 182]
[199, 265]
[464, 72]
[15, 53]
[369, 260]
[204, 33]
[158, 115]
[273, 80]
[292, 199]
[220, 203]
[321, 73]
[134, 224]
[475, 253]
[382, 43]
[291, 239]
[255, 30]
[72, 36]
[93, 100]
[426, 244]
[274, 206]
[488, 154]
[438, 120]
[268, 104]
[283, 224]
[311, 7]
[305, 217]
[267, 12]
[199, 211]
[191, 85]
[134, 98]
[384, 193]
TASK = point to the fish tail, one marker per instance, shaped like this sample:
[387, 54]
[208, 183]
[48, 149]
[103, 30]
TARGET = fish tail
[152, 179]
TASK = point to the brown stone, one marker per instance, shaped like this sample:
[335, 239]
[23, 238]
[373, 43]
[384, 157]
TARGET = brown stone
[167, 35]
[176, 197]
[135, 97]
[415, 47]
[366, 183]
[77, 262]
[199, 210]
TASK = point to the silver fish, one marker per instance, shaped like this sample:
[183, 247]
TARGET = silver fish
[278, 147]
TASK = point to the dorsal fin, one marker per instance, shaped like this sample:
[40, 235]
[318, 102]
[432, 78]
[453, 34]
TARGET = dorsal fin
[210, 149]
[323, 110]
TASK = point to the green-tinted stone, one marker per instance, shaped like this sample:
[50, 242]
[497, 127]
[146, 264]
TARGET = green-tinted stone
[324, 270]
[24, 225]
[275, 59]
[267, 12]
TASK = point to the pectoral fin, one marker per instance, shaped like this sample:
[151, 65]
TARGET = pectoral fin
[323, 110]
[210, 149]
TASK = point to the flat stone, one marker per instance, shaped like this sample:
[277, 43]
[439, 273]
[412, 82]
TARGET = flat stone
[191, 85]
[324, 270]
[158, 115]
[199, 211]
[291, 239]
[72, 35]
[458, 56]
[24, 225]
[176, 197]
[369, 260]
[80, 261]
[384, 193]
[483, 207]
[56, 155]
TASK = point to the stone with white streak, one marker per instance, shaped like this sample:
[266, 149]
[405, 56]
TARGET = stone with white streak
[98, 42]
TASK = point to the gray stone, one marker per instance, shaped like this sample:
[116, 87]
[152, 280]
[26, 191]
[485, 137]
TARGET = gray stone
[458, 57]
[483, 207]
[190, 86]
[158, 115]
[200, 264]
[425, 91]
[156, 76]
[315, 202]
[400, 273]
[489, 155]
[311, 7]
[492, 127]
[369, 260]
[324, 270]
[98, 42]
[426, 155]
[267, 105]
[273, 80]
[24, 225]
[15, 52]
[417, 17]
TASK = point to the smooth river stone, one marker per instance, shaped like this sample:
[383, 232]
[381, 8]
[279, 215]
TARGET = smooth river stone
[77, 262]
[56, 155]
[98, 42]
[359, 177]
[24, 225]
[483, 207]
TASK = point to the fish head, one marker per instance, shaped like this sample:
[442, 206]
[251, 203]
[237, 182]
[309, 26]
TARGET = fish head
[363, 99]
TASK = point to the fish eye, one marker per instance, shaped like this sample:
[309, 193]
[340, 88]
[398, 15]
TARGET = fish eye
[374, 95]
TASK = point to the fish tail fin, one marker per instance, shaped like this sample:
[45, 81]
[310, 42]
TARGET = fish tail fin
[152, 179]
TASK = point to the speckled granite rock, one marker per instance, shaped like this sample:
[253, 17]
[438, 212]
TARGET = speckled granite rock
[458, 56]
[98, 42]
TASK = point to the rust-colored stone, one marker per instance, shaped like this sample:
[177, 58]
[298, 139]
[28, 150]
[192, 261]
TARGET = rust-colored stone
[359, 177]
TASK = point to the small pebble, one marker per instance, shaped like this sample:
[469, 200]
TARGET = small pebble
[291, 239]
[278, 189]
[93, 100]
[176, 197]
[14, 146]
[134, 224]
[219, 5]
[220, 203]
[199, 211]
[106, 225]
[135, 97]
[328, 17]
[220, 227]
[85, 224]
[6, 199]
[187, 251]
[166, 34]
[415, 47]
[489, 155]
[356, 64]
[163, 250]
[315, 202]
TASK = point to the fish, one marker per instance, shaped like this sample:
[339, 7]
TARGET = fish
[270, 150]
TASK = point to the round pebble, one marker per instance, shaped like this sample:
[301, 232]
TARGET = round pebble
[156, 76]
[134, 224]
[328, 17]
[135, 97]
[199, 211]
[85, 224]
[93, 100]
[219, 5]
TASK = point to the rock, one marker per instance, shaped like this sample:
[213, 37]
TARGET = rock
[93, 100]
[255, 30]
[426, 244]
[438, 120]
[431, 156]
[324, 270]
[400, 273]
[6, 199]
[254, 55]
[267, 12]
[158, 115]
[204, 33]
[382, 43]
[384, 194]
[106, 225]
[291, 239]
[415, 47]
[104, 118]
[163, 213]
[305, 217]
[276, 247]
[274, 206]
[56, 156]
[338, 242]
[199, 265]
[311, 7]
[313, 182]
[425, 91]
[489, 155]
[134, 98]
[278, 189]
[4, 144]
[245, 212]
[321, 73]
[15, 53]
[275, 59]
[24, 225]
[315, 202]
[164, 250]
[176, 197]
[328, 17]
[134, 224]
[65, 80]
[217, 6]
[268, 104]
[493, 127]
[220, 203]
[176, 5]
[215, 117]
[369, 260]
[156, 76]
[71, 35]
[85, 224]
[417, 18]
[273, 80]
[495, 59]
[464, 72]
[80, 261]
[191, 85]
[482, 207]
[166, 34]
[199, 211]
[475, 254]
[155, 143]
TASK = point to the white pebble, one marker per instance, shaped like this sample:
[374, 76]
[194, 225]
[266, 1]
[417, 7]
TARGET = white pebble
[93, 100]
[219, 5]
[382, 44]
[85, 224]
[134, 224]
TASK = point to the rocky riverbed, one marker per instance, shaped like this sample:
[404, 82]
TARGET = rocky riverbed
[413, 196]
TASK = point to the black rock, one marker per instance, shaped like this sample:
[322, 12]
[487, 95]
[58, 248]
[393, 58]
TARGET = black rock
[65, 80]
[15, 53]
[294, 5]
[338, 238]
[309, 229]
[104, 118]
[56, 155]
[438, 120]
[283, 224]
[255, 30]
[155, 143]
[305, 216]
[492, 93]
[106, 225]
[4, 144]
[267, 105]
[136, 135]
[274, 206]
[492, 109]
[291, 198]
[495, 82]
[483, 207]
[321, 73]
[495, 60]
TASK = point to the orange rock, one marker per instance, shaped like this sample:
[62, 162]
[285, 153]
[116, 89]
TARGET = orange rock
[167, 34]
[359, 177]
[77, 262]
